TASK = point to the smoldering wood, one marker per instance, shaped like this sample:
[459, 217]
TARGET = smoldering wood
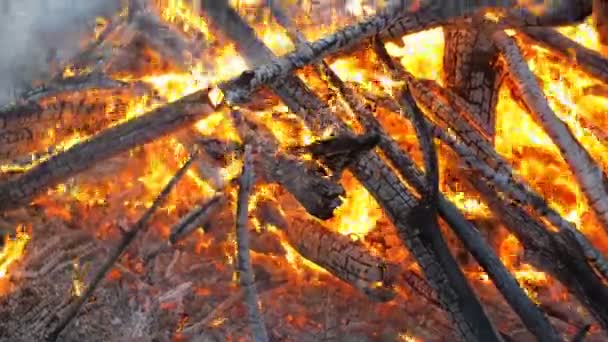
[600, 133]
[312, 52]
[319, 194]
[557, 254]
[343, 257]
[375, 175]
[520, 302]
[586, 59]
[590, 176]
[114, 140]
[600, 19]
[127, 239]
[246, 275]
[21, 190]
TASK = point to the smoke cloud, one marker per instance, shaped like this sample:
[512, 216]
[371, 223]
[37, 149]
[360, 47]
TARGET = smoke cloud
[33, 31]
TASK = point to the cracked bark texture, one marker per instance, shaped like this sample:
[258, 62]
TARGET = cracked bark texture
[340, 255]
[469, 71]
[479, 155]
[108, 143]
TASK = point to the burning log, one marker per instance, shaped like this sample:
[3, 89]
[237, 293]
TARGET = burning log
[507, 183]
[592, 179]
[246, 277]
[588, 60]
[558, 254]
[127, 238]
[75, 104]
[479, 155]
[345, 258]
[318, 194]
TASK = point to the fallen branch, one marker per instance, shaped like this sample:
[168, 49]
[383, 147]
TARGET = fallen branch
[127, 238]
[246, 275]
[591, 178]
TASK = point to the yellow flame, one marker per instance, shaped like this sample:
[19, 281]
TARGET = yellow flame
[14, 249]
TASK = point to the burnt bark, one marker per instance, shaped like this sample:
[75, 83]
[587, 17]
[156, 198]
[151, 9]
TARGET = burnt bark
[600, 19]
[47, 114]
[469, 71]
[586, 59]
[343, 257]
[112, 141]
[245, 269]
[318, 194]
[531, 316]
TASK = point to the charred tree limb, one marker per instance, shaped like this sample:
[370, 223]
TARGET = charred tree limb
[375, 175]
[314, 51]
[590, 176]
[82, 104]
[124, 243]
[558, 254]
[340, 255]
[195, 218]
[246, 274]
[318, 194]
[106, 144]
[588, 60]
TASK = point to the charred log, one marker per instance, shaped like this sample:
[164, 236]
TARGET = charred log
[600, 19]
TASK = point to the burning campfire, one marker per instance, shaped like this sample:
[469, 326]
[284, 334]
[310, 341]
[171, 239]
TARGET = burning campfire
[409, 171]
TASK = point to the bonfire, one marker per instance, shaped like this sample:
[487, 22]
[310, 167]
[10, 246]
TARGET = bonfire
[313, 171]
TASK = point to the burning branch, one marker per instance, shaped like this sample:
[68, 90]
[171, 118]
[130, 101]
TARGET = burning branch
[246, 276]
[590, 176]
[532, 317]
[127, 238]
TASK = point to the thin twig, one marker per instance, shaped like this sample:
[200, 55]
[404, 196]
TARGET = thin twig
[246, 274]
[126, 240]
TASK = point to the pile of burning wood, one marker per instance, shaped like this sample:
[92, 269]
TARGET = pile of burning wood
[123, 173]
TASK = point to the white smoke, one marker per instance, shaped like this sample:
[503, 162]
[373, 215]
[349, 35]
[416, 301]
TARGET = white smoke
[31, 31]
